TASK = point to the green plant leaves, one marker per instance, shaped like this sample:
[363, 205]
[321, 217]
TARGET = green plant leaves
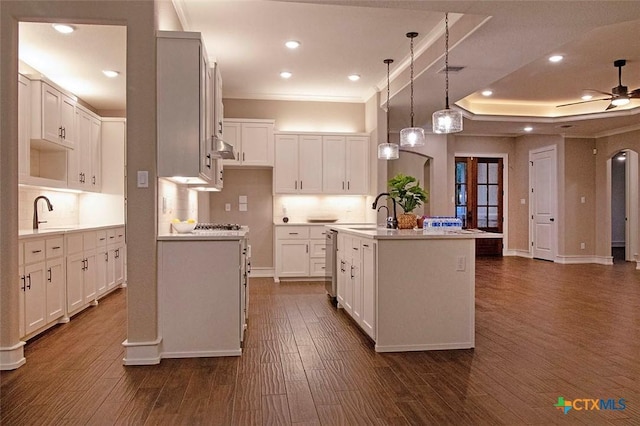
[407, 192]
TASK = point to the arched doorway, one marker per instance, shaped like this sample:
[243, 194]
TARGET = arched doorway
[624, 205]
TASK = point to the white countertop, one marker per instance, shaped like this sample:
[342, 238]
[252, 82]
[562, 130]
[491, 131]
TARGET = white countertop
[30, 233]
[214, 235]
[380, 233]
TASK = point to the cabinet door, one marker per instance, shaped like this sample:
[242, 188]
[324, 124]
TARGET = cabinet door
[232, 135]
[22, 282]
[34, 297]
[55, 289]
[310, 164]
[80, 158]
[293, 258]
[90, 277]
[95, 181]
[348, 280]
[67, 117]
[356, 278]
[341, 280]
[102, 266]
[75, 281]
[257, 144]
[333, 164]
[286, 164]
[118, 265]
[368, 317]
[24, 135]
[51, 123]
[357, 160]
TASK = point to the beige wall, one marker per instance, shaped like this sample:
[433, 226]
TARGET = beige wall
[256, 184]
[300, 116]
[138, 16]
[580, 180]
[412, 164]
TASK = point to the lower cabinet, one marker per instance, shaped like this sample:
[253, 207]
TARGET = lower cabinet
[42, 282]
[82, 270]
[356, 281]
[300, 251]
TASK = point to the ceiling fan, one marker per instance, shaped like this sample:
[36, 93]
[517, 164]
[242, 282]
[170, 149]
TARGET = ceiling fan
[619, 95]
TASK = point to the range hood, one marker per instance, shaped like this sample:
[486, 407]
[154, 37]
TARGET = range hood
[222, 149]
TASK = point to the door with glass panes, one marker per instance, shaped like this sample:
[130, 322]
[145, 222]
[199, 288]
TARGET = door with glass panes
[479, 197]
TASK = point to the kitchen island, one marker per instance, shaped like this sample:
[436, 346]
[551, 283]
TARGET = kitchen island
[409, 290]
[203, 293]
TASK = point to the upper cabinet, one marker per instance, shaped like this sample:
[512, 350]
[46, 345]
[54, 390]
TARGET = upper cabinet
[52, 115]
[345, 164]
[298, 164]
[252, 141]
[84, 170]
[321, 163]
[184, 148]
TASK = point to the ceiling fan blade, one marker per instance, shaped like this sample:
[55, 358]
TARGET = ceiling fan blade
[635, 93]
[583, 102]
[611, 106]
[598, 91]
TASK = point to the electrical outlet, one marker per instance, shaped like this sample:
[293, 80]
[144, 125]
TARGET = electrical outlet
[461, 263]
[227, 207]
[582, 246]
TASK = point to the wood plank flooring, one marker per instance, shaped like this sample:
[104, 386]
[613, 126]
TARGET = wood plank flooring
[543, 330]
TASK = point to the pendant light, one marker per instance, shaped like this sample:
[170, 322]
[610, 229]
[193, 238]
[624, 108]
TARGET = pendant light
[388, 151]
[447, 120]
[412, 136]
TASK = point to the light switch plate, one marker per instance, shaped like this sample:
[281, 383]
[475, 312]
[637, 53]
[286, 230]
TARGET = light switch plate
[227, 207]
[143, 179]
[243, 207]
[242, 199]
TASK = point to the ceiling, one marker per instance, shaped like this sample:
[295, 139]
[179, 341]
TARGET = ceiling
[502, 45]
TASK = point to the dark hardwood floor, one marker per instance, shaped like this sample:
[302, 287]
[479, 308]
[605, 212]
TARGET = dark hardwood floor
[543, 330]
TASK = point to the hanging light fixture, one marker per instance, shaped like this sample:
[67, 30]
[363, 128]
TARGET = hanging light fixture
[388, 150]
[447, 120]
[412, 136]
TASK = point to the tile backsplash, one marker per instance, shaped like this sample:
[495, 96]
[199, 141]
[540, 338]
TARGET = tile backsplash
[302, 208]
[65, 208]
[175, 202]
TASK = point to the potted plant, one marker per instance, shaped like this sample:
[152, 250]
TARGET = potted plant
[409, 195]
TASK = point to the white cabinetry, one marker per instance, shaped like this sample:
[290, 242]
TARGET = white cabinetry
[252, 141]
[84, 169]
[298, 164]
[345, 161]
[82, 271]
[184, 150]
[356, 282]
[52, 115]
[42, 280]
[300, 251]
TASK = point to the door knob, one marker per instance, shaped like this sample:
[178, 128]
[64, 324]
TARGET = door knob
[551, 220]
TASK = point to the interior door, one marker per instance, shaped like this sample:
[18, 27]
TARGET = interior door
[543, 203]
[479, 199]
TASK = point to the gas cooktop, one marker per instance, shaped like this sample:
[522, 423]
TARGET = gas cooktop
[217, 227]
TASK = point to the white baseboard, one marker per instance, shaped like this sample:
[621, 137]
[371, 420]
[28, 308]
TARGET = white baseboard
[638, 265]
[604, 260]
[202, 354]
[12, 357]
[262, 272]
[522, 253]
[425, 347]
[142, 353]
[570, 260]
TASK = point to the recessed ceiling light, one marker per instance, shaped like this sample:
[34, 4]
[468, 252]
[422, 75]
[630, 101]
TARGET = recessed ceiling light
[64, 28]
[587, 97]
[292, 44]
[556, 58]
[354, 77]
[285, 74]
[110, 73]
[487, 93]
[528, 129]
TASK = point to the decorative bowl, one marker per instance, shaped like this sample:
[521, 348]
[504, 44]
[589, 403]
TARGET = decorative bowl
[184, 227]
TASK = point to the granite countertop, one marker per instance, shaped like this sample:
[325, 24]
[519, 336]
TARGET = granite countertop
[29, 233]
[381, 233]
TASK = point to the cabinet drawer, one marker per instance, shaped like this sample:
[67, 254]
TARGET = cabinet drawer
[101, 238]
[111, 236]
[317, 248]
[119, 235]
[54, 247]
[317, 232]
[89, 240]
[292, 232]
[34, 251]
[74, 243]
[317, 267]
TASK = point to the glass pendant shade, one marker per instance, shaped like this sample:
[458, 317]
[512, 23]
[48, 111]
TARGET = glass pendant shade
[388, 151]
[412, 136]
[447, 121]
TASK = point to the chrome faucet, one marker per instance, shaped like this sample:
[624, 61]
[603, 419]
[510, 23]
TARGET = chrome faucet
[36, 222]
[392, 222]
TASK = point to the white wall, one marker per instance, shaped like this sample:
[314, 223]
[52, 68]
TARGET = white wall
[618, 203]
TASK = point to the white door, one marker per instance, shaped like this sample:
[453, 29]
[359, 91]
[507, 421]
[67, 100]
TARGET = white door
[543, 203]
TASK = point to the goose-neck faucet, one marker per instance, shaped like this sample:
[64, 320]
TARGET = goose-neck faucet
[36, 222]
[393, 223]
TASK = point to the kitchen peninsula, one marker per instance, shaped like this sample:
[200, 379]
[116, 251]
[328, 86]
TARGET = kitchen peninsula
[203, 292]
[409, 290]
